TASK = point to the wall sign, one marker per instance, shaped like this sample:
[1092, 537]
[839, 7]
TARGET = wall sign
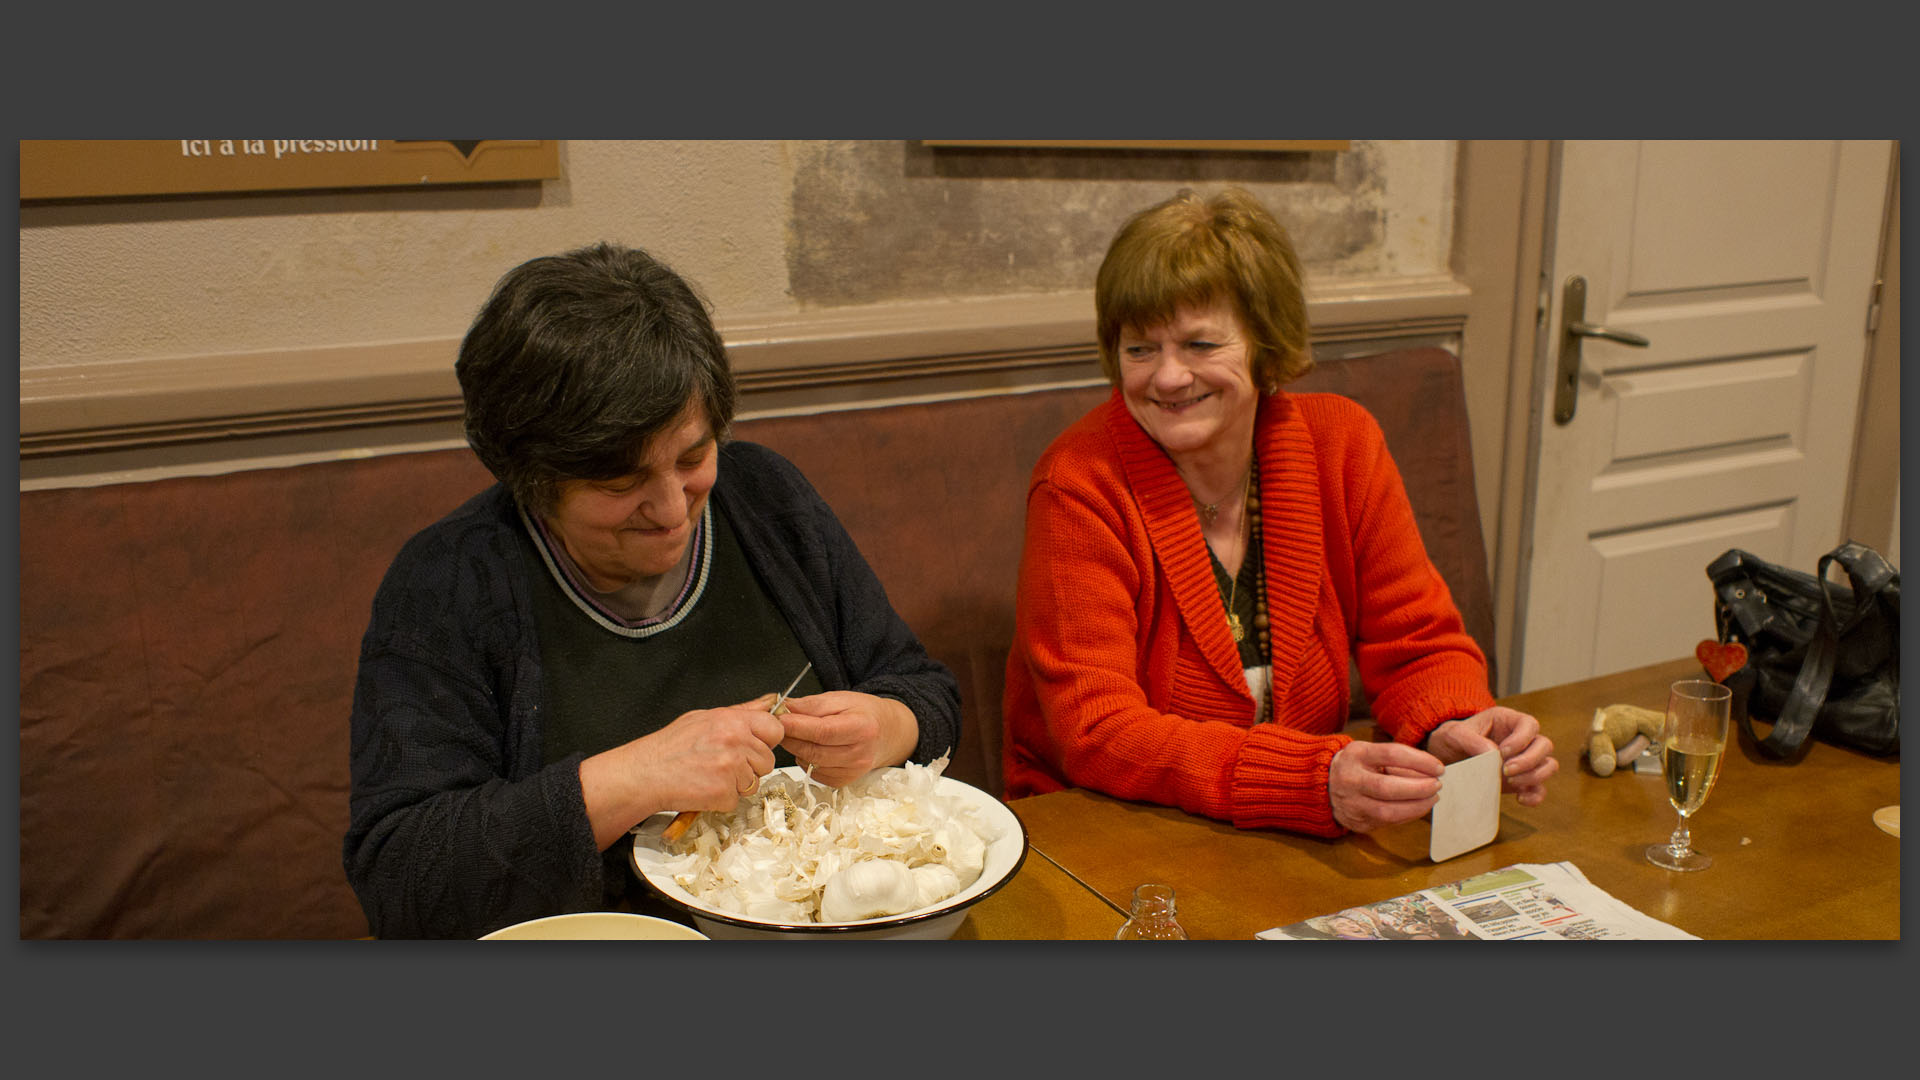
[108, 168]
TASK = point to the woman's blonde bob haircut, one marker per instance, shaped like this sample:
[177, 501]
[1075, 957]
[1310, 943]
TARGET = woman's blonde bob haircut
[1192, 252]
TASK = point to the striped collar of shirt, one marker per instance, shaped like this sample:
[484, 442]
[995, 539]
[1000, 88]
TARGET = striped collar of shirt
[584, 597]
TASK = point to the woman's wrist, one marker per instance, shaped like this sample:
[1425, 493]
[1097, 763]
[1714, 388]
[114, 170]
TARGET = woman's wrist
[616, 800]
[902, 736]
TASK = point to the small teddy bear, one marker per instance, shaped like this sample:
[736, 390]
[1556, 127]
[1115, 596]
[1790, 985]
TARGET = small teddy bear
[1619, 734]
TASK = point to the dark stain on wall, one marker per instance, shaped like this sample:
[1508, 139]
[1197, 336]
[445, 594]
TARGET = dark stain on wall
[879, 221]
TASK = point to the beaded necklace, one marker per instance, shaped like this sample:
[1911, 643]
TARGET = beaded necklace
[1260, 621]
[1259, 566]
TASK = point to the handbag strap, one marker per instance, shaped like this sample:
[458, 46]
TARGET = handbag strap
[1795, 722]
[1873, 580]
[1872, 576]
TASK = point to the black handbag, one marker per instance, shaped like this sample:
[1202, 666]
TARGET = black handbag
[1818, 664]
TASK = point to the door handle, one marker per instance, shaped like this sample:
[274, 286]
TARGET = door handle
[1622, 336]
[1573, 313]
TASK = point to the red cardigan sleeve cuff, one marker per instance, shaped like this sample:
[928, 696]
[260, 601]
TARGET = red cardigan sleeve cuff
[1409, 714]
[1280, 781]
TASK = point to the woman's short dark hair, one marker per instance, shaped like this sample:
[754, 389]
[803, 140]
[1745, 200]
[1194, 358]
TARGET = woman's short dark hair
[1189, 251]
[578, 360]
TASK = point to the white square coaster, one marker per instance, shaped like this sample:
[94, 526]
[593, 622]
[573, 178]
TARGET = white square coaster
[1468, 812]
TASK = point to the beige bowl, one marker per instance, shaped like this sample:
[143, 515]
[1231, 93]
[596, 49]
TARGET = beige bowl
[596, 926]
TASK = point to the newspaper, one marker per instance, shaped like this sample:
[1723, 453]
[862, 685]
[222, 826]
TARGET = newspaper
[1525, 901]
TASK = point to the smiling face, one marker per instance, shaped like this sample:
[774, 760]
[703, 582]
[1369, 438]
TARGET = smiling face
[1189, 382]
[638, 526]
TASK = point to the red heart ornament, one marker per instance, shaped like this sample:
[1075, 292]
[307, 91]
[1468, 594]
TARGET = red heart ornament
[1720, 660]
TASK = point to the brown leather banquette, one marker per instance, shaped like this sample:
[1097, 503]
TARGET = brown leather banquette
[187, 646]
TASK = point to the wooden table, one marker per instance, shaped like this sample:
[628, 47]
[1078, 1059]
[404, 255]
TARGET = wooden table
[1041, 903]
[1796, 853]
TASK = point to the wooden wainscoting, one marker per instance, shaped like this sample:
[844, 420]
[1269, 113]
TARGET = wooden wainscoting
[147, 419]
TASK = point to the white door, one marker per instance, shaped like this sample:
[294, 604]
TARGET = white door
[1748, 269]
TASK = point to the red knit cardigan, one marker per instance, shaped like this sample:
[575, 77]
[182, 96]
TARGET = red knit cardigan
[1123, 677]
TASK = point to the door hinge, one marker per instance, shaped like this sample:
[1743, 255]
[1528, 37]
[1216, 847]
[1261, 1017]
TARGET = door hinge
[1873, 309]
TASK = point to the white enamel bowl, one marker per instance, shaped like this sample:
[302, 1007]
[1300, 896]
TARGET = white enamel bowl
[1004, 856]
[596, 926]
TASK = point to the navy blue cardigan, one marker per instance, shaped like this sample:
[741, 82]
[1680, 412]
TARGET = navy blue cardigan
[456, 827]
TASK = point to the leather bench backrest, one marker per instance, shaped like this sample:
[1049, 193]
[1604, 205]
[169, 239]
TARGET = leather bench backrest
[188, 646]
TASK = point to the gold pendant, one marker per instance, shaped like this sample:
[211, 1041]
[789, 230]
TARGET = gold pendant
[1233, 624]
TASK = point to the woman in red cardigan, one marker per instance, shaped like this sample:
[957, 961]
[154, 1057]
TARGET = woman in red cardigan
[1204, 553]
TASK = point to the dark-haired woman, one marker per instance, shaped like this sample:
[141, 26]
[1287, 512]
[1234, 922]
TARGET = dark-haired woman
[598, 637]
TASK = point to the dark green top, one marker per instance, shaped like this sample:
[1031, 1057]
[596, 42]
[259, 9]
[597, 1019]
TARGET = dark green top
[608, 681]
[1241, 603]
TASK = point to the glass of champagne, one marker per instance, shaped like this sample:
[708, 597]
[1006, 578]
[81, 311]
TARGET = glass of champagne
[1691, 742]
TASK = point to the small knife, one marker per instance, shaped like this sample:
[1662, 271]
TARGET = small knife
[780, 703]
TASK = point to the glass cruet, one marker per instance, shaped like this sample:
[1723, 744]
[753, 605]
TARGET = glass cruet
[1152, 917]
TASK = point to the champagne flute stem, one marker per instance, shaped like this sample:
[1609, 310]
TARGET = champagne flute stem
[1681, 840]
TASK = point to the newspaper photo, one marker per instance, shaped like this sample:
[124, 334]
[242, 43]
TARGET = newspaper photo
[1526, 901]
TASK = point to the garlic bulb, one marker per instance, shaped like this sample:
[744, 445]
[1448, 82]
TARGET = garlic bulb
[867, 890]
[934, 883]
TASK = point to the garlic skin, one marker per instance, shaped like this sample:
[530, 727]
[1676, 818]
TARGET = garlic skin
[867, 890]
[771, 857]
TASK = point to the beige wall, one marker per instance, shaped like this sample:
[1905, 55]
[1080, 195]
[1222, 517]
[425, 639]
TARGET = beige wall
[138, 280]
[764, 228]
[198, 335]
[1873, 496]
